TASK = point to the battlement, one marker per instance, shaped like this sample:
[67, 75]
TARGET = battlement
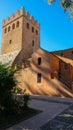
[18, 14]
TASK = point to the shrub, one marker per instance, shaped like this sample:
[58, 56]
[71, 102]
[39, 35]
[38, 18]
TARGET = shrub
[7, 83]
[26, 98]
[18, 90]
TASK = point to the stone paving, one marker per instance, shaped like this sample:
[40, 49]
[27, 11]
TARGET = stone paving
[64, 121]
[57, 114]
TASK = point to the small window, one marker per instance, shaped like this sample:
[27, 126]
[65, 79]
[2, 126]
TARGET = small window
[17, 24]
[39, 78]
[72, 53]
[27, 25]
[8, 28]
[52, 75]
[32, 42]
[36, 32]
[65, 66]
[5, 30]
[62, 54]
[10, 41]
[13, 26]
[59, 74]
[32, 29]
[39, 60]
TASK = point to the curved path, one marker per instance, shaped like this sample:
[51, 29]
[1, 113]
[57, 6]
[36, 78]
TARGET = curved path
[51, 107]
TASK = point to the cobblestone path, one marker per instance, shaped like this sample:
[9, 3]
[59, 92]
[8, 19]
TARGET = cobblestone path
[63, 121]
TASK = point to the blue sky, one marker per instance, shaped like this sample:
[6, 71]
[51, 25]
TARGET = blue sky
[56, 27]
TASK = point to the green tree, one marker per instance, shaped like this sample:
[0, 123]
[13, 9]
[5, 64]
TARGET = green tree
[7, 83]
[67, 5]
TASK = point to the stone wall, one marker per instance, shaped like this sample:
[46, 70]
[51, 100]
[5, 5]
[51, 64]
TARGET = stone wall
[30, 74]
[20, 37]
[68, 53]
[12, 40]
[31, 40]
[48, 86]
[9, 58]
[61, 70]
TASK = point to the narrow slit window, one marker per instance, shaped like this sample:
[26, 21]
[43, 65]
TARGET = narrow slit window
[39, 61]
[5, 30]
[36, 32]
[27, 25]
[17, 24]
[39, 76]
[62, 54]
[13, 26]
[33, 29]
[72, 53]
[59, 74]
[10, 41]
[65, 66]
[32, 42]
[52, 75]
[8, 28]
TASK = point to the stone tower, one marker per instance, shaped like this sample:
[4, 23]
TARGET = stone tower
[20, 32]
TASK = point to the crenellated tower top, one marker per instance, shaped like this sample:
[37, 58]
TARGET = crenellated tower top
[20, 31]
[18, 14]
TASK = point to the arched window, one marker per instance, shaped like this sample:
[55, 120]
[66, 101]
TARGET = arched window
[13, 26]
[17, 24]
[5, 30]
[8, 28]
[27, 25]
[32, 42]
[39, 60]
[32, 29]
[36, 32]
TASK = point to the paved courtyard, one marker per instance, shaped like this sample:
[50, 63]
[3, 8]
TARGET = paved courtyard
[63, 121]
[57, 114]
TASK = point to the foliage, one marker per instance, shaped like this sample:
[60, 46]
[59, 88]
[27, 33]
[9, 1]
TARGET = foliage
[26, 98]
[7, 83]
[67, 5]
[18, 90]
